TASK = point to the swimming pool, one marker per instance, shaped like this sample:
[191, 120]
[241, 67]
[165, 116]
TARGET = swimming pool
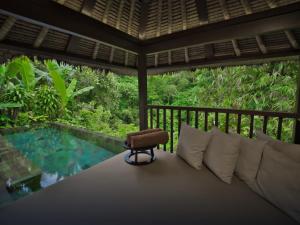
[53, 154]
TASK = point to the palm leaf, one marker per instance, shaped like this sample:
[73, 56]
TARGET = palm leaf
[10, 105]
[71, 88]
[83, 90]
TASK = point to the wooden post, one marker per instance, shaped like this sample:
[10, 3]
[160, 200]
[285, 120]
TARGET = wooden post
[142, 82]
[297, 122]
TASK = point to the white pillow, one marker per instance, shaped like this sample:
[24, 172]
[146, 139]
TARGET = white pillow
[279, 181]
[191, 145]
[291, 150]
[222, 154]
[249, 158]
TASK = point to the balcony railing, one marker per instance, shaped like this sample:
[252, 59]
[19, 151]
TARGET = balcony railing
[245, 122]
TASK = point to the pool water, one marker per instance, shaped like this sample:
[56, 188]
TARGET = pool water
[57, 153]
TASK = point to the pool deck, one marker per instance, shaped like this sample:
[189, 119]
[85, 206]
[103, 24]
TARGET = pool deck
[15, 167]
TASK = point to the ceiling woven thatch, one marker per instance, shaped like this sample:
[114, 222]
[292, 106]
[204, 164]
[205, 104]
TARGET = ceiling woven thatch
[150, 22]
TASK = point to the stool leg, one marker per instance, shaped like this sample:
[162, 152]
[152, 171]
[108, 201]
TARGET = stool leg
[136, 156]
[152, 153]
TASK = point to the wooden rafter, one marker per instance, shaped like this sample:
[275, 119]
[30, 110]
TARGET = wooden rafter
[202, 11]
[158, 18]
[247, 7]
[281, 18]
[170, 20]
[183, 14]
[156, 59]
[126, 59]
[54, 16]
[88, 7]
[6, 27]
[111, 55]
[131, 13]
[224, 9]
[186, 55]
[73, 43]
[120, 10]
[96, 50]
[236, 47]
[261, 44]
[143, 19]
[292, 39]
[106, 11]
[41, 36]
[63, 56]
[272, 3]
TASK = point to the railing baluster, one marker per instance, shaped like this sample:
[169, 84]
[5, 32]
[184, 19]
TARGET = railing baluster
[196, 118]
[265, 125]
[216, 119]
[172, 131]
[227, 123]
[157, 117]
[164, 125]
[251, 126]
[205, 120]
[238, 130]
[179, 121]
[151, 117]
[279, 128]
[187, 116]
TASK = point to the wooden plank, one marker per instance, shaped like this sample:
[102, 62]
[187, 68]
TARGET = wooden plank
[186, 55]
[142, 87]
[106, 11]
[202, 11]
[131, 13]
[6, 27]
[281, 18]
[88, 7]
[292, 39]
[66, 57]
[126, 59]
[158, 20]
[96, 50]
[111, 55]
[55, 16]
[170, 21]
[143, 19]
[40, 38]
[169, 57]
[155, 60]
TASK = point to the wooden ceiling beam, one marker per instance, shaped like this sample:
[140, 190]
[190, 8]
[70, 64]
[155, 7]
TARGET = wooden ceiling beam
[282, 18]
[65, 57]
[202, 11]
[183, 14]
[226, 61]
[158, 18]
[41, 37]
[236, 47]
[6, 27]
[111, 55]
[120, 10]
[131, 13]
[73, 43]
[96, 50]
[143, 19]
[49, 14]
[88, 7]
[261, 44]
[186, 55]
[292, 39]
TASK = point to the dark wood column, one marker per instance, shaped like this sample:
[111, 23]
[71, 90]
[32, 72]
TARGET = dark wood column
[297, 122]
[142, 82]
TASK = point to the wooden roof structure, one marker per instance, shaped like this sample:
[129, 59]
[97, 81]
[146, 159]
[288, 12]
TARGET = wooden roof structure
[173, 34]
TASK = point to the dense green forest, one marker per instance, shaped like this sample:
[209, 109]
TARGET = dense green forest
[33, 91]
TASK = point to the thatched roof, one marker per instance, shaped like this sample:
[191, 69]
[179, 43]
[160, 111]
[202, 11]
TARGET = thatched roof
[174, 34]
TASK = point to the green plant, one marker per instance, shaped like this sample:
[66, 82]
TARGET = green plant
[46, 102]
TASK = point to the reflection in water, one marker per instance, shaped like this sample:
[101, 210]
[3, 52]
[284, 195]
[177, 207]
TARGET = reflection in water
[57, 153]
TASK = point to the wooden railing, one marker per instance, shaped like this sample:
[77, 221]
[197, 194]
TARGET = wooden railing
[243, 122]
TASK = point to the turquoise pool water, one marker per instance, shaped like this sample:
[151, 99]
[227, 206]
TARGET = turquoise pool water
[57, 153]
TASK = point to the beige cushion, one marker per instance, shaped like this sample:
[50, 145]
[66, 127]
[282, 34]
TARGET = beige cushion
[249, 158]
[291, 150]
[191, 145]
[279, 181]
[222, 154]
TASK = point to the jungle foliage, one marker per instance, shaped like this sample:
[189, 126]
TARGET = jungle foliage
[34, 91]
